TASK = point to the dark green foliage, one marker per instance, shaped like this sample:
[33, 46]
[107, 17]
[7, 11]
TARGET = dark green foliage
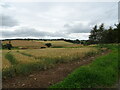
[4, 46]
[85, 43]
[0, 42]
[48, 44]
[102, 72]
[93, 35]
[7, 46]
[42, 47]
[77, 41]
[102, 35]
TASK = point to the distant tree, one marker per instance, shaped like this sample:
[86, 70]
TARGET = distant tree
[111, 36]
[116, 32]
[87, 42]
[93, 35]
[77, 41]
[48, 44]
[9, 45]
[0, 44]
[100, 33]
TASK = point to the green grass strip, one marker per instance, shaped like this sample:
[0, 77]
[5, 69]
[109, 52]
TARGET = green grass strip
[103, 72]
[11, 58]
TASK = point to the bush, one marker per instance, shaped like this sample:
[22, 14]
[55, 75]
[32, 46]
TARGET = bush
[48, 44]
[7, 46]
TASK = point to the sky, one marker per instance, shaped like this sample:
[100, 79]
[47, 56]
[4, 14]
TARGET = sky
[52, 20]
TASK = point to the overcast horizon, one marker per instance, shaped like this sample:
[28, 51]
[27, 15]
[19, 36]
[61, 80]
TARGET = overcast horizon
[53, 20]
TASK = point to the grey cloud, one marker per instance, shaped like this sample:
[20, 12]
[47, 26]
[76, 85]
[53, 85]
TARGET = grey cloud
[4, 5]
[23, 32]
[57, 34]
[77, 28]
[30, 32]
[8, 21]
[47, 15]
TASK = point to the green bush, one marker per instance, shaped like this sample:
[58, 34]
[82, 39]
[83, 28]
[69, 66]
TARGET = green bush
[48, 44]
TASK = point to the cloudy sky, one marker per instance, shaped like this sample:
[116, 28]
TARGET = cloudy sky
[70, 20]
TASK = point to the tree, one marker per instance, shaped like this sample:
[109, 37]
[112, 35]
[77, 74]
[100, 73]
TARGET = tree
[77, 41]
[9, 46]
[48, 44]
[100, 33]
[116, 32]
[93, 35]
[111, 35]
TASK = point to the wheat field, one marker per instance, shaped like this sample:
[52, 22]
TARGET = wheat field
[59, 52]
[34, 44]
[51, 54]
[25, 43]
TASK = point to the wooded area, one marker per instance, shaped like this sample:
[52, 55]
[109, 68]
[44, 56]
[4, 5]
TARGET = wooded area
[101, 35]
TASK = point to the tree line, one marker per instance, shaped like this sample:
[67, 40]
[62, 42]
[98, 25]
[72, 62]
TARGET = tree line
[101, 35]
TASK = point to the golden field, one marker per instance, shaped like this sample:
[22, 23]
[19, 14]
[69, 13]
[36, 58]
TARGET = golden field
[34, 44]
[51, 54]
[25, 43]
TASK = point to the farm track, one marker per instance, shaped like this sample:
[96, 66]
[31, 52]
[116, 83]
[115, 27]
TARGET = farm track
[43, 79]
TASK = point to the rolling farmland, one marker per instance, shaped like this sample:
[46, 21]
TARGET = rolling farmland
[49, 56]
[17, 62]
[25, 44]
[33, 44]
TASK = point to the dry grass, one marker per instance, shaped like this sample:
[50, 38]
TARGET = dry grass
[25, 43]
[59, 53]
[38, 55]
[38, 44]
[74, 45]
[57, 43]
[41, 59]
[22, 59]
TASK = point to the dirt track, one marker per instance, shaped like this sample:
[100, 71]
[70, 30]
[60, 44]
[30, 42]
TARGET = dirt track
[43, 79]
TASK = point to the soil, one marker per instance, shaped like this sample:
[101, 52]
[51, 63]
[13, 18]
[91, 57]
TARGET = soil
[43, 79]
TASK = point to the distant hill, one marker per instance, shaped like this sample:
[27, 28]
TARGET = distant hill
[35, 44]
[25, 43]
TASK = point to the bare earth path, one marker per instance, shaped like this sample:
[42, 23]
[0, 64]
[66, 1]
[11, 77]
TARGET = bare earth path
[43, 79]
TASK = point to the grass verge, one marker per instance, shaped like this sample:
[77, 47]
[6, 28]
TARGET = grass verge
[103, 72]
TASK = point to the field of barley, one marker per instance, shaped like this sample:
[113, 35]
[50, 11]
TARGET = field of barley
[25, 61]
[25, 43]
[34, 44]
